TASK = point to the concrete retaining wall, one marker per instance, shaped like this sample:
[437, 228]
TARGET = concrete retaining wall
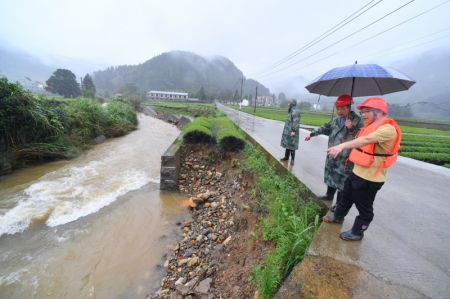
[170, 166]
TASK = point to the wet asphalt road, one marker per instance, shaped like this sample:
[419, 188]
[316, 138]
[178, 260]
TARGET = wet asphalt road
[408, 242]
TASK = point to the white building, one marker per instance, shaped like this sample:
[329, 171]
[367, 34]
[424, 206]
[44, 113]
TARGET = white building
[166, 95]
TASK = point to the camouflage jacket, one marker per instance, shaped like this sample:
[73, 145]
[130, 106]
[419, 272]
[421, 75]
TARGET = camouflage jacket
[337, 170]
[292, 124]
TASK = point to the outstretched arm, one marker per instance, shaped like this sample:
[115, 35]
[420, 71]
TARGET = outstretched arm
[355, 143]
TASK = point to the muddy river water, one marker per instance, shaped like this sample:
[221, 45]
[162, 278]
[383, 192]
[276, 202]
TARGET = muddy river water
[93, 227]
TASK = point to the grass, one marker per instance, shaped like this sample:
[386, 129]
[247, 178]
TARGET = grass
[227, 135]
[43, 128]
[199, 131]
[307, 118]
[215, 129]
[290, 221]
[191, 109]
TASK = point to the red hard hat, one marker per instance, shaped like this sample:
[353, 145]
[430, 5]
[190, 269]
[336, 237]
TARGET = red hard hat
[344, 100]
[375, 103]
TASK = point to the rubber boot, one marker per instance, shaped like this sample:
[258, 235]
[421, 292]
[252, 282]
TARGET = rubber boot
[332, 219]
[356, 233]
[329, 195]
[292, 157]
[286, 155]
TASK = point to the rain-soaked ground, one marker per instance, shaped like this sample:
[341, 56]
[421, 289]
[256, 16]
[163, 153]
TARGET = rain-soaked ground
[405, 252]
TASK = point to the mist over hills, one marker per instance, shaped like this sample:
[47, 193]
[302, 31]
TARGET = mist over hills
[429, 97]
[179, 71]
[18, 65]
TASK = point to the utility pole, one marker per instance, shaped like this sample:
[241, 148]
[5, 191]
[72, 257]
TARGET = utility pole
[242, 83]
[256, 97]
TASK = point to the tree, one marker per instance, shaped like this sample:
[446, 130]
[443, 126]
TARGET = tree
[282, 96]
[201, 95]
[88, 87]
[63, 82]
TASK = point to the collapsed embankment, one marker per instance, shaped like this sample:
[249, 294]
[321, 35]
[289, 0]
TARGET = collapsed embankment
[250, 225]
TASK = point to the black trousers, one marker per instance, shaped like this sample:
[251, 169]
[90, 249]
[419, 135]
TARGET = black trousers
[291, 152]
[362, 193]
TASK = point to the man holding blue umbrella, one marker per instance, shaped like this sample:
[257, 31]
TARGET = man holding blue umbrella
[340, 129]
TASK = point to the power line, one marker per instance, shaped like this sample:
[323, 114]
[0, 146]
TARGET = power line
[378, 52]
[378, 34]
[342, 39]
[321, 37]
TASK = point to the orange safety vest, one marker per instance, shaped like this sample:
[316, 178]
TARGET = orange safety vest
[364, 156]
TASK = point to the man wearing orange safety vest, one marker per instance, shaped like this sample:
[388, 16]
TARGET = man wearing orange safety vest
[373, 151]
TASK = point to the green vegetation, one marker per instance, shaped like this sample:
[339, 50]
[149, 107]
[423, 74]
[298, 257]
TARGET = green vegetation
[307, 118]
[63, 82]
[41, 128]
[192, 109]
[227, 135]
[199, 131]
[428, 148]
[212, 130]
[290, 221]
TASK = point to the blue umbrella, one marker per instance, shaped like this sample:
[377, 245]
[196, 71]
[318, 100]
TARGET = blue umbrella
[360, 80]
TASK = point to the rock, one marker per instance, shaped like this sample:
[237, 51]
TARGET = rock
[180, 281]
[187, 223]
[227, 240]
[204, 286]
[207, 205]
[162, 293]
[191, 203]
[98, 139]
[214, 237]
[214, 205]
[183, 121]
[182, 262]
[193, 261]
[197, 200]
[246, 207]
[166, 264]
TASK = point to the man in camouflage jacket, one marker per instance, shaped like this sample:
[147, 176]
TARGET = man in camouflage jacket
[340, 129]
[289, 139]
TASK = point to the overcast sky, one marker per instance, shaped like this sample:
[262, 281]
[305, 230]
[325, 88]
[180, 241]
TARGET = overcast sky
[253, 34]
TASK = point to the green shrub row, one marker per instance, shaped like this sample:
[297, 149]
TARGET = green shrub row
[435, 158]
[215, 130]
[425, 144]
[425, 149]
[290, 221]
[425, 138]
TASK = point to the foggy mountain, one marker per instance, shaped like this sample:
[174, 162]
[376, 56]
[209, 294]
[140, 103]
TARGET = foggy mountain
[179, 71]
[24, 67]
[18, 65]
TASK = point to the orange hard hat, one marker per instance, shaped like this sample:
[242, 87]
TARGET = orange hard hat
[375, 103]
[344, 100]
